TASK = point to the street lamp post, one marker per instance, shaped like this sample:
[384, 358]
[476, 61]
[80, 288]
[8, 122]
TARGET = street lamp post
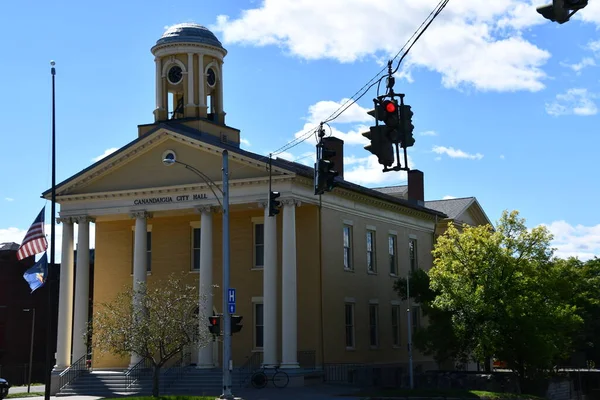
[227, 364]
[31, 345]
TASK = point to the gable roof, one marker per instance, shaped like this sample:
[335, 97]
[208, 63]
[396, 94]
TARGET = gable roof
[451, 207]
[454, 208]
[9, 246]
[293, 167]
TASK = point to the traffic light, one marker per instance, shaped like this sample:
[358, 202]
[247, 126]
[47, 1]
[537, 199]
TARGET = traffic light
[406, 129]
[214, 325]
[561, 10]
[381, 144]
[274, 204]
[236, 323]
[325, 172]
[389, 112]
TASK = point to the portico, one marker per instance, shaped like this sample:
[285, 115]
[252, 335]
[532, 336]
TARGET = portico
[143, 233]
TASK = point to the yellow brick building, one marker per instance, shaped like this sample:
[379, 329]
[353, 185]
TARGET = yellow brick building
[313, 284]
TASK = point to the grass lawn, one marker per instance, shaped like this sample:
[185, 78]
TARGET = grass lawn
[24, 394]
[165, 398]
[465, 394]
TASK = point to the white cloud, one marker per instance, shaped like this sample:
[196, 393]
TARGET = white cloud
[106, 153]
[16, 235]
[502, 156]
[577, 101]
[245, 142]
[472, 42]
[576, 241]
[591, 13]
[322, 110]
[577, 67]
[594, 46]
[428, 133]
[448, 197]
[9, 199]
[456, 153]
[367, 171]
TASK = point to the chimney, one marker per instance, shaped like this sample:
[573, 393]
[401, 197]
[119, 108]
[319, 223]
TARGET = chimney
[337, 145]
[416, 187]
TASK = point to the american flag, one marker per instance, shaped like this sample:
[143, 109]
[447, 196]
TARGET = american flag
[35, 241]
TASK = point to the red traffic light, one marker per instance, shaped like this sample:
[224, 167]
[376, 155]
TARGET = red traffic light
[390, 107]
[213, 320]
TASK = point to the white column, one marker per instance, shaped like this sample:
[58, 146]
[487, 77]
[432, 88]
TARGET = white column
[82, 288]
[270, 290]
[219, 108]
[140, 256]
[65, 298]
[205, 302]
[159, 94]
[190, 75]
[289, 310]
[201, 94]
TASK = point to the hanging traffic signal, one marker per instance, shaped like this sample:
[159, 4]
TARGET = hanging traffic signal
[561, 10]
[214, 325]
[274, 204]
[380, 145]
[236, 323]
[325, 172]
[389, 111]
[406, 126]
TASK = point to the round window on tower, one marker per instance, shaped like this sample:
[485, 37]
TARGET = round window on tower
[211, 77]
[175, 75]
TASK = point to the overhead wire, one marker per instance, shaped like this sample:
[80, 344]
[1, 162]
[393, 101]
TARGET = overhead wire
[376, 80]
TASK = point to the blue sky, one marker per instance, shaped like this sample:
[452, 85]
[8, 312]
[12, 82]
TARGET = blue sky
[504, 101]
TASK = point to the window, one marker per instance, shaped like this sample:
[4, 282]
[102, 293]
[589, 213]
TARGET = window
[395, 325]
[259, 245]
[412, 252]
[392, 250]
[148, 250]
[348, 247]
[416, 318]
[259, 327]
[373, 322]
[371, 257]
[349, 316]
[195, 249]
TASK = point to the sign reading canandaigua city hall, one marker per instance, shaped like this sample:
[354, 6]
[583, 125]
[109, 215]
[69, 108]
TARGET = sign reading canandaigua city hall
[169, 199]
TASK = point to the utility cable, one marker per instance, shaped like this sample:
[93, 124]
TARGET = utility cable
[376, 80]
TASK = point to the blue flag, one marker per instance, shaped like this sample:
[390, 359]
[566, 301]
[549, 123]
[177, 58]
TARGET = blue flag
[36, 275]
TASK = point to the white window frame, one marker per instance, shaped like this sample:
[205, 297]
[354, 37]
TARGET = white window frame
[372, 269]
[413, 255]
[393, 254]
[396, 325]
[350, 327]
[193, 226]
[255, 222]
[374, 327]
[148, 248]
[255, 302]
[348, 258]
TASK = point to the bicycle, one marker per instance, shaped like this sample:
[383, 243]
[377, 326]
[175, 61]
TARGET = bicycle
[260, 379]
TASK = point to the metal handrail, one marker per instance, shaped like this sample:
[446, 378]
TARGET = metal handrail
[139, 370]
[176, 371]
[73, 372]
[251, 365]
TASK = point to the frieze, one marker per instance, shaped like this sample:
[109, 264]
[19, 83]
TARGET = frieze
[169, 199]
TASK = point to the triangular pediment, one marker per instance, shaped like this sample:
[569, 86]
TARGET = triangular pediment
[139, 166]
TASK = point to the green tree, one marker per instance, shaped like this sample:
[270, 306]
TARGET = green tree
[437, 338]
[167, 322]
[499, 285]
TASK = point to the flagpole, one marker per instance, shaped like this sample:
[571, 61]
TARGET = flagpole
[49, 345]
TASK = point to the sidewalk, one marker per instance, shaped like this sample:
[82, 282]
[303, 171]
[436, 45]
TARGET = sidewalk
[23, 389]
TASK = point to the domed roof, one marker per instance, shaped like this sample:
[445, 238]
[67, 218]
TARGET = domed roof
[189, 33]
